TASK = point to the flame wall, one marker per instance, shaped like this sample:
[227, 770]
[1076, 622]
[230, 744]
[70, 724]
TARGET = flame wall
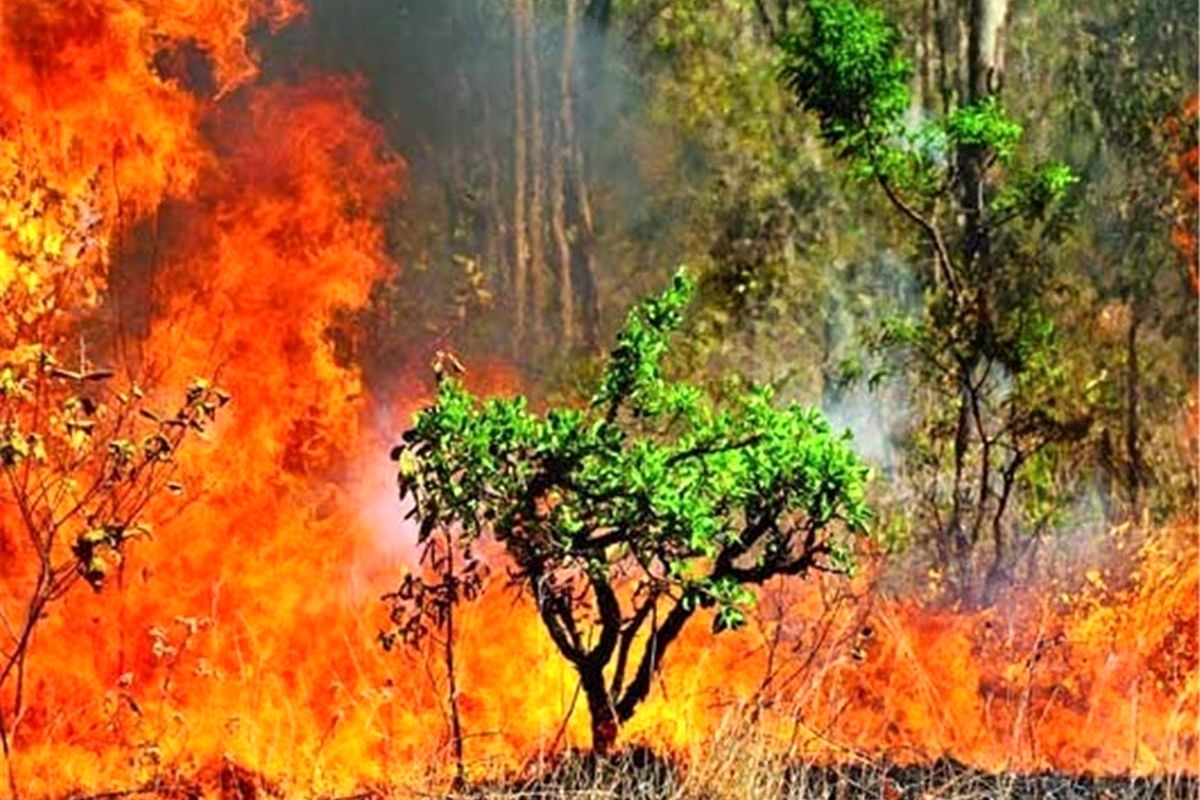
[245, 632]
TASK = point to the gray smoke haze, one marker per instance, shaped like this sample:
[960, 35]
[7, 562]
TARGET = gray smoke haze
[438, 76]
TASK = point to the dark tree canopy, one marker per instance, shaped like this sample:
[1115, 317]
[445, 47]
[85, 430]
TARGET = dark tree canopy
[625, 517]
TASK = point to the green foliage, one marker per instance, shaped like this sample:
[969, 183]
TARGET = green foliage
[654, 488]
[653, 469]
[705, 161]
[1030, 194]
[844, 68]
[985, 125]
[740, 190]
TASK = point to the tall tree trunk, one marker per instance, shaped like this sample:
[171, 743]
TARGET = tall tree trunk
[583, 226]
[456, 731]
[985, 50]
[946, 31]
[564, 142]
[520, 228]
[985, 69]
[537, 174]
[928, 56]
[588, 291]
[497, 224]
[985, 74]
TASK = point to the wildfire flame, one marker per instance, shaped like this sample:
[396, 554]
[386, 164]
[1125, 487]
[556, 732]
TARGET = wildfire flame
[221, 224]
[1186, 164]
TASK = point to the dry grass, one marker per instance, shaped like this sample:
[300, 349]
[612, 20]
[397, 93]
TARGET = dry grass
[730, 774]
[737, 763]
[639, 774]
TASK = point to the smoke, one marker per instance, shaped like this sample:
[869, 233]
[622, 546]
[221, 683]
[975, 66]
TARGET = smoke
[867, 390]
[439, 78]
[872, 423]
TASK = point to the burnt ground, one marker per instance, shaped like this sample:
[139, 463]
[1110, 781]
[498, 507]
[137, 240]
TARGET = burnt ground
[640, 774]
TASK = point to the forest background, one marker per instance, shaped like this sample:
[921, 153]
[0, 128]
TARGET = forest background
[566, 156]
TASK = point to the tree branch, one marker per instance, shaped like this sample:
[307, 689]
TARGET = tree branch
[761, 573]
[564, 638]
[628, 634]
[652, 655]
[610, 621]
[931, 233]
[711, 448]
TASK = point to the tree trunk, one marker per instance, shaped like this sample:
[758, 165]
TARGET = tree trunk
[985, 73]
[584, 262]
[946, 30]
[497, 225]
[1134, 467]
[653, 651]
[985, 70]
[608, 713]
[537, 174]
[985, 50]
[520, 167]
[564, 141]
[928, 58]
[601, 709]
[456, 730]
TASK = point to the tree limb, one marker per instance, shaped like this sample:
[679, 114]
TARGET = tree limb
[628, 634]
[652, 655]
[930, 230]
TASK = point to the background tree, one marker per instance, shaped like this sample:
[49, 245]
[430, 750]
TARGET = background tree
[499, 122]
[694, 153]
[984, 345]
[1136, 69]
[624, 518]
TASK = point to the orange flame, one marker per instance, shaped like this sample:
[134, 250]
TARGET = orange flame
[1186, 164]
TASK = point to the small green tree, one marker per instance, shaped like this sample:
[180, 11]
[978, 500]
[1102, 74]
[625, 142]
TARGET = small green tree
[983, 357]
[624, 518]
